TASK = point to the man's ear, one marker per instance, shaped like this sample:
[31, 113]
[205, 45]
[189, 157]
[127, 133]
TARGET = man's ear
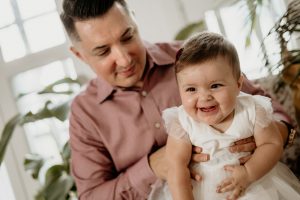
[77, 53]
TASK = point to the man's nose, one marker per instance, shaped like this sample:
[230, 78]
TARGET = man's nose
[122, 57]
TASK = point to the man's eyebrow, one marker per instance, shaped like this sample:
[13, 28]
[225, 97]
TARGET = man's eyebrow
[94, 50]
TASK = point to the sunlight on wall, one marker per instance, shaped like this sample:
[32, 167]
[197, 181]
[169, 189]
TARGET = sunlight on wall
[6, 192]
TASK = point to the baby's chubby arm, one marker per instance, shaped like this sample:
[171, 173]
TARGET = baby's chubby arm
[248, 144]
[178, 153]
[268, 152]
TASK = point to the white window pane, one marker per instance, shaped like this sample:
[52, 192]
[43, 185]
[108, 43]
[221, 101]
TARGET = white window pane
[44, 32]
[40, 139]
[12, 45]
[211, 22]
[279, 8]
[6, 191]
[30, 8]
[47, 136]
[234, 25]
[7, 16]
[266, 21]
[36, 79]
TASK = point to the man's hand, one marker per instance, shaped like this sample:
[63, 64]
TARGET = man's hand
[159, 164]
[198, 156]
[244, 145]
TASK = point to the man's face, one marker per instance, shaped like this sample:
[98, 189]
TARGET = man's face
[112, 47]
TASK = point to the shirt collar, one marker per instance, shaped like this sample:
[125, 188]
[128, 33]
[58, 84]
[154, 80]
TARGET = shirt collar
[155, 57]
[157, 54]
[104, 89]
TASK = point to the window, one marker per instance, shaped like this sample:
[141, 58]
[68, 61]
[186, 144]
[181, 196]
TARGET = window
[29, 26]
[33, 53]
[229, 20]
[47, 136]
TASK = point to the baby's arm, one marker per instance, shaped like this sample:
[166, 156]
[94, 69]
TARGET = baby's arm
[178, 152]
[267, 154]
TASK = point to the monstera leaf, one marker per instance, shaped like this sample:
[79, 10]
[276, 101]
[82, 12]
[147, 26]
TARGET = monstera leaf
[59, 111]
[49, 110]
[59, 184]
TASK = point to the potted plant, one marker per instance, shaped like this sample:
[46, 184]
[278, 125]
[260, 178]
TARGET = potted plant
[286, 31]
[58, 183]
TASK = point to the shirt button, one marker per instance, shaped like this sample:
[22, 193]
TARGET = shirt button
[157, 125]
[144, 93]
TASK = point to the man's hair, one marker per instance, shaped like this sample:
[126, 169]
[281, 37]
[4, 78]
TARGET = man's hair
[81, 10]
[207, 46]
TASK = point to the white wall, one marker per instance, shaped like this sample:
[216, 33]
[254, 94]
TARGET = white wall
[160, 20]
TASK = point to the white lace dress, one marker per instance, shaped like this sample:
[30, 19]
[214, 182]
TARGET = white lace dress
[279, 184]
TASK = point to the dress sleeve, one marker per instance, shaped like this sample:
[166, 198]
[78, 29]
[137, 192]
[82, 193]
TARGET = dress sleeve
[264, 111]
[172, 124]
[254, 89]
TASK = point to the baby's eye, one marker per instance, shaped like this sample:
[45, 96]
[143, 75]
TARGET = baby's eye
[190, 89]
[216, 85]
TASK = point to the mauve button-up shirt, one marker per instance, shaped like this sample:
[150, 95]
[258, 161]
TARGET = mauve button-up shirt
[113, 130]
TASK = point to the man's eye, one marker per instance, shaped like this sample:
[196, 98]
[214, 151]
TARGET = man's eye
[103, 52]
[217, 85]
[190, 89]
[127, 38]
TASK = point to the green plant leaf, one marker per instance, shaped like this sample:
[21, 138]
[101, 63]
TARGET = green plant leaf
[7, 133]
[58, 184]
[50, 88]
[190, 29]
[33, 163]
[254, 7]
[59, 111]
[66, 154]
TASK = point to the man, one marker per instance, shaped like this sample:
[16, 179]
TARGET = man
[116, 130]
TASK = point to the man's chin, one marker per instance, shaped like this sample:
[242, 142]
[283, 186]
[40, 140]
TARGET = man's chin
[129, 83]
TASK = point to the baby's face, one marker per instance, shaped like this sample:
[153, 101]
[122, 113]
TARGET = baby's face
[208, 91]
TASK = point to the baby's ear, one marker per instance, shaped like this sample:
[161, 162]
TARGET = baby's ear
[240, 82]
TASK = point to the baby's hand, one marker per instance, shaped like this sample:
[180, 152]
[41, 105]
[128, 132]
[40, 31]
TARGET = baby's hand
[237, 182]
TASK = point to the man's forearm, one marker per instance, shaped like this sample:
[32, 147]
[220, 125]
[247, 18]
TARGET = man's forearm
[283, 130]
[132, 184]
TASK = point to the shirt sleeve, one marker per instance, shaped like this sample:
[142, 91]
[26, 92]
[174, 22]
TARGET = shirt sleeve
[94, 171]
[254, 89]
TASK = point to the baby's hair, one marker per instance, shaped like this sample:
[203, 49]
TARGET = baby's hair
[206, 46]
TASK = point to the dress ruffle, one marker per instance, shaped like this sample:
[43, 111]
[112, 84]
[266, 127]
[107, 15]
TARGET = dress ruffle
[172, 124]
[264, 111]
